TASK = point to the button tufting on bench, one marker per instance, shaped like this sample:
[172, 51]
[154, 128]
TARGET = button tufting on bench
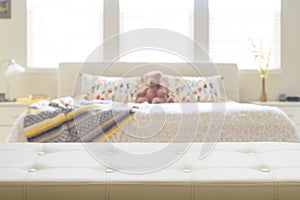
[235, 170]
[265, 170]
[187, 170]
[109, 170]
[32, 170]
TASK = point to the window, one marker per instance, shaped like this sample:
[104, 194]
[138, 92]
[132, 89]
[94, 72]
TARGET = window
[69, 30]
[174, 15]
[62, 31]
[233, 23]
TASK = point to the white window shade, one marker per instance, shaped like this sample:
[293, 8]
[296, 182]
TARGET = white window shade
[62, 31]
[232, 23]
[174, 15]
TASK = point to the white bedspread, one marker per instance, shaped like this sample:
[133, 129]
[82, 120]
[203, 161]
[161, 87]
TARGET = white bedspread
[223, 122]
[198, 122]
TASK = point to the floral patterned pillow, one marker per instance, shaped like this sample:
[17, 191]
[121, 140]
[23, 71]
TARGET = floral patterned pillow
[194, 89]
[109, 88]
[92, 83]
[125, 89]
[181, 89]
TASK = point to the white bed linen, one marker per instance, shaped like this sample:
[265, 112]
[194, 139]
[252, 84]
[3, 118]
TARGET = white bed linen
[233, 122]
[198, 122]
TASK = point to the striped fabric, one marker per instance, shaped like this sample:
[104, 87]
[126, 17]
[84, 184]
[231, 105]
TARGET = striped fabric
[61, 121]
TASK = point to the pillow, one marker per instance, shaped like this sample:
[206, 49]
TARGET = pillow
[124, 89]
[109, 88]
[92, 83]
[180, 89]
[194, 89]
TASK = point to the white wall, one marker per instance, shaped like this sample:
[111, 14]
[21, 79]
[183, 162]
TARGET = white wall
[13, 45]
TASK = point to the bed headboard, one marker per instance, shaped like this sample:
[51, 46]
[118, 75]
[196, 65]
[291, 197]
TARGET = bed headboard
[68, 72]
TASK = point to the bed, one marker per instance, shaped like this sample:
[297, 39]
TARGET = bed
[135, 164]
[222, 121]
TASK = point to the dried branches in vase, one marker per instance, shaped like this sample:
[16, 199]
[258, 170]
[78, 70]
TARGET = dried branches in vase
[263, 60]
[263, 93]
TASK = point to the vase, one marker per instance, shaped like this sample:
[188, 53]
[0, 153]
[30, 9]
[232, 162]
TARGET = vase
[263, 93]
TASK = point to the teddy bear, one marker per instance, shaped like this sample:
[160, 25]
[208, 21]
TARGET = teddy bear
[153, 91]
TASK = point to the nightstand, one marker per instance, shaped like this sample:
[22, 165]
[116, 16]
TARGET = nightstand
[9, 112]
[292, 109]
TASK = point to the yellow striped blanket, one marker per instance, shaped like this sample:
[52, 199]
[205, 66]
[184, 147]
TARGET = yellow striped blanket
[61, 121]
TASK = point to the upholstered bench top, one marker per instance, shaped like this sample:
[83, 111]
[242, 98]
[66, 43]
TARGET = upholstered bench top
[267, 171]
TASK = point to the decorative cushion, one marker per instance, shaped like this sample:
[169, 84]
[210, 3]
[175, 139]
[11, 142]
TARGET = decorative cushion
[194, 89]
[109, 88]
[181, 89]
[124, 89]
[102, 84]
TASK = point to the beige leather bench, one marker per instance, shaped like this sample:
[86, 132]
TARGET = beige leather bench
[266, 171]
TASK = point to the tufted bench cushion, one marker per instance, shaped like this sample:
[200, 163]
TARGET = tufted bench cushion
[266, 171]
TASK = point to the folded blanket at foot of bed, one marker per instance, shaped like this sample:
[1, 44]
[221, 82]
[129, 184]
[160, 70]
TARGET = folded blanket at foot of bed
[61, 121]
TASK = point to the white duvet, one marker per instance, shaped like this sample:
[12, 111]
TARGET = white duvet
[198, 122]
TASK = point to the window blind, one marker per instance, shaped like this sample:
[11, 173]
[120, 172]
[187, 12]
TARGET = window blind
[68, 30]
[234, 23]
[174, 15]
[62, 31]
